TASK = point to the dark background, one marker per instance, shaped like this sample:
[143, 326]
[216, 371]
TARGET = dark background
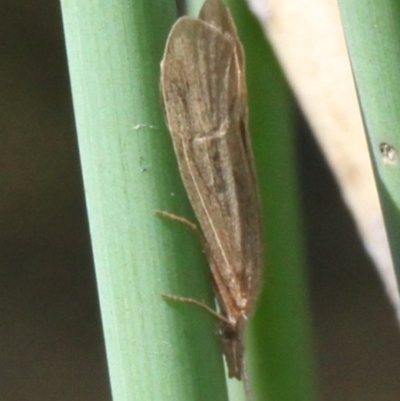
[51, 345]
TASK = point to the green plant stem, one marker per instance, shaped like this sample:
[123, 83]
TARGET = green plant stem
[156, 349]
[372, 33]
[280, 337]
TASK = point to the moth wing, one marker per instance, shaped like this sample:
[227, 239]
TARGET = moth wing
[217, 14]
[193, 78]
[204, 91]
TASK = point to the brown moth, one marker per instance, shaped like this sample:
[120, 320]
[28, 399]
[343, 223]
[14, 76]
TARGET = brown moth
[205, 99]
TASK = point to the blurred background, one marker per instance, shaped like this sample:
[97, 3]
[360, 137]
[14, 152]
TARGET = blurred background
[51, 344]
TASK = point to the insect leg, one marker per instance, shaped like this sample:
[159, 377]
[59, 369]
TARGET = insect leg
[184, 221]
[198, 303]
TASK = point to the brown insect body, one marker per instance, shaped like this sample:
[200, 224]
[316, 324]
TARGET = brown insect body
[205, 99]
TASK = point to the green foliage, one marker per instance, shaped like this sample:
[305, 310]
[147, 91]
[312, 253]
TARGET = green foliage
[156, 350]
[372, 35]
